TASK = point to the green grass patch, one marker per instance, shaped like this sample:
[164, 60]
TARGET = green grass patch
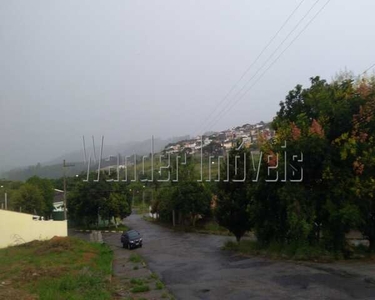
[159, 285]
[135, 258]
[137, 281]
[140, 288]
[60, 268]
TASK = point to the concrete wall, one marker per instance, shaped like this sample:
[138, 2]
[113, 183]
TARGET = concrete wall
[17, 228]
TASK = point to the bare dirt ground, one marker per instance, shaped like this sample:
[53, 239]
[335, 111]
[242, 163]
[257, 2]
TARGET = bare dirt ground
[193, 266]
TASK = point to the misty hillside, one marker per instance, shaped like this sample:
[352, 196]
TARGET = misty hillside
[53, 168]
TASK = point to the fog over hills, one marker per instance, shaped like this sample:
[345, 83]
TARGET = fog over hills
[53, 168]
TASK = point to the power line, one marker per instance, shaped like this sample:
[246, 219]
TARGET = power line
[273, 53]
[372, 66]
[222, 112]
[225, 111]
[253, 63]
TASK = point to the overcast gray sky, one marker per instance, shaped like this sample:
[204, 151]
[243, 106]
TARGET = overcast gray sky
[132, 69]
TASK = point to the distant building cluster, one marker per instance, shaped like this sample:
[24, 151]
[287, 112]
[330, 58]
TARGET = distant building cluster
[220, 142]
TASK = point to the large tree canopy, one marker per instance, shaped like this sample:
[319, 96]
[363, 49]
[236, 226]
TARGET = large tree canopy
[91, 199]
[332, 125]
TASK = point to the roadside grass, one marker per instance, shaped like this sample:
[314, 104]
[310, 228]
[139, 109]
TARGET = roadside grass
[278, 251]
[296, 251]
[145, 284]
[137, 281]
[159, 285]
[140, 288]
[142, 285]
[212, 227]
[135, 258]
[60, 268]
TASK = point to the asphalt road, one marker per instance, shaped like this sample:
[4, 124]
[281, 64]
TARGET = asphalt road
[194, 267]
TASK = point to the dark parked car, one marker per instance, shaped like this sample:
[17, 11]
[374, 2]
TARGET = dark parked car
[131, 239]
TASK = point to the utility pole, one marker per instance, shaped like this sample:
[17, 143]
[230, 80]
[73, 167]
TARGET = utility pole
[65, 165]
[65, 214]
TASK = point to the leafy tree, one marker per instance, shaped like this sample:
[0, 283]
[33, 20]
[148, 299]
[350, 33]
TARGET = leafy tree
[116, 206]
[163, 203]
[357, 149]
[192, 199]
[46, 188]
[89, 199]
[188, 198]
[233, 201]
[316, 121]
[29, 199]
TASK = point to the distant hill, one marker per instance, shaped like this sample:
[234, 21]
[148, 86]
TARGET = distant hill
[53, 168]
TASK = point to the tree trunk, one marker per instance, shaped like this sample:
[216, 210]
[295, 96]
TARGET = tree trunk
[194, 218]
[372, 245]
[238, 238]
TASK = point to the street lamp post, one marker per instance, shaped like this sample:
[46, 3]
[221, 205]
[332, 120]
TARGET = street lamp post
[143, 196]
[5, 199]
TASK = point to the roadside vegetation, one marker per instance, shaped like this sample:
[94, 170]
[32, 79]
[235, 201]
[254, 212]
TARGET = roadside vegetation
[69, 268]
[136, 281]
[61, 268]
[332, 126]
[297, 251]
[279, 251]
[90, 200]
[35, 196]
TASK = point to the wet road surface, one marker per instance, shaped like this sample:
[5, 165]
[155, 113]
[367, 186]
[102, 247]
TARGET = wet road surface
[194, 267]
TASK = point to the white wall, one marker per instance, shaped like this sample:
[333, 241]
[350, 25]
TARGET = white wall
[17, 228]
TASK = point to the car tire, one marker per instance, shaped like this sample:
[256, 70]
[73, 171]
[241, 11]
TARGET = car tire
[129, 247]
[140, 246]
